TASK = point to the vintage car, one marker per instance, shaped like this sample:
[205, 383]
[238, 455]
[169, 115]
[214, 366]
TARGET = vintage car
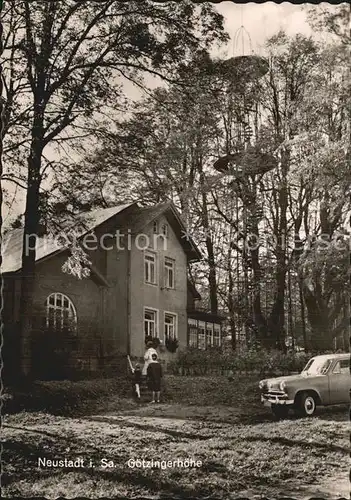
[325, 380]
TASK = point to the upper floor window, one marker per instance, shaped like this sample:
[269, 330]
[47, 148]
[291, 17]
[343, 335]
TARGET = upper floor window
[165, 230]
[150, 268]
[155, 227]
[170, 326]
[169, 273]
[60, 312]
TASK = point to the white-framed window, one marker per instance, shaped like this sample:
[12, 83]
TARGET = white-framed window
[171, 327]
[192, 329]
[60, 312]
[169, 273]
[209, 334]
[165, 230]
[201, 343]
[150, 322]
[150, 269]
[216, 335]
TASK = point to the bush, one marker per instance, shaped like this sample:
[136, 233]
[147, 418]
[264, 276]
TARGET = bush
[192, 361]
[171, 344]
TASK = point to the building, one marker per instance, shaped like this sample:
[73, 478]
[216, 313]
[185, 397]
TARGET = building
[204, 328]
[136, 288]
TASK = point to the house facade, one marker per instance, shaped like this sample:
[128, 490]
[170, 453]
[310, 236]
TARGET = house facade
[137, 288]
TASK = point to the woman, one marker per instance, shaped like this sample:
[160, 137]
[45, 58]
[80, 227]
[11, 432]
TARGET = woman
[150, 350]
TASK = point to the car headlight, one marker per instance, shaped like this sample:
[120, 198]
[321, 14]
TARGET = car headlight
[262, 384]
[282, 385]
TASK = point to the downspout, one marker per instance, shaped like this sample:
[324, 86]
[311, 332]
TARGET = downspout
[129, 301]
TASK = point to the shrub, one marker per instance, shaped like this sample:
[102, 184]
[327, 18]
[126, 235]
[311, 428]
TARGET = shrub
[171, 344]
[192, 361]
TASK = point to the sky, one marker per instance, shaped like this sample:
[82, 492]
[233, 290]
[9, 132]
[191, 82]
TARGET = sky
[259, 21]
[262, 21]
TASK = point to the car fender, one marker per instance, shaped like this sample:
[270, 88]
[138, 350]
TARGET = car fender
[310, 390]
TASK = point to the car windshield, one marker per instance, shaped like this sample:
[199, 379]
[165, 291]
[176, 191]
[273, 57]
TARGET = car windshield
[316, 366]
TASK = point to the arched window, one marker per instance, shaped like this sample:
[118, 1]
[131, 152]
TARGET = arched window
[60, 312]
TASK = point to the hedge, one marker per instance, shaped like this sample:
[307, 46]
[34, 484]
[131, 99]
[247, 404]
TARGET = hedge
[193, 361]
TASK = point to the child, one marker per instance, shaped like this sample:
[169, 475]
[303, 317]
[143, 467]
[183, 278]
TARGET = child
[154, 374]
[137, 379]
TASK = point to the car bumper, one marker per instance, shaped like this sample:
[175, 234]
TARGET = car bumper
[276, 399]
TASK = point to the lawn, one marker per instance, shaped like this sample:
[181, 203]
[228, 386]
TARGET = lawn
[242, 450]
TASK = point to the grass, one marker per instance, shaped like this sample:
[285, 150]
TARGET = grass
[84, 397]
[243, 451]
[65, 397]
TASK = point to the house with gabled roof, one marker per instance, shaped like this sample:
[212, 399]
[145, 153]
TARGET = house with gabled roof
[135, 287]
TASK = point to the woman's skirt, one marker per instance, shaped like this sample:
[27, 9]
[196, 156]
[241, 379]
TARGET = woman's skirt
[154, 385]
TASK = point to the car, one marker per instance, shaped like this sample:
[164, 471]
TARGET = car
[325, 380]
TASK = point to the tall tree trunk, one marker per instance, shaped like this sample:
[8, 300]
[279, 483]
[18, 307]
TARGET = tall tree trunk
[277, 317]
[2, 305]
[321, 337]
[260, 320]
[290, 312]
[212, 275]
[231, 308]
[303, 314]
[31, 222]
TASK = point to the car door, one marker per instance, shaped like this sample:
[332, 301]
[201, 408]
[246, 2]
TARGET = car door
[340, 382]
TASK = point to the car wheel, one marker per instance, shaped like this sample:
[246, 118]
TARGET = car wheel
[306, 406]
[280, 411]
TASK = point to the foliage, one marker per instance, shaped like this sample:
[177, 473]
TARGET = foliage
[212, 361]
[172, 344]
[165, 151]
[333, 19]
[77, 264]
[80, 52]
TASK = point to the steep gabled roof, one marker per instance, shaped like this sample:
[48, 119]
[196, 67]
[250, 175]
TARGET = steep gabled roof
[138, 218]
[48, 245]
[141, 217]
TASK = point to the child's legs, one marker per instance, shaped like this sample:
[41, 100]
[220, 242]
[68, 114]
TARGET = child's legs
[158, 396]
[137, 390]
[153, 395]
